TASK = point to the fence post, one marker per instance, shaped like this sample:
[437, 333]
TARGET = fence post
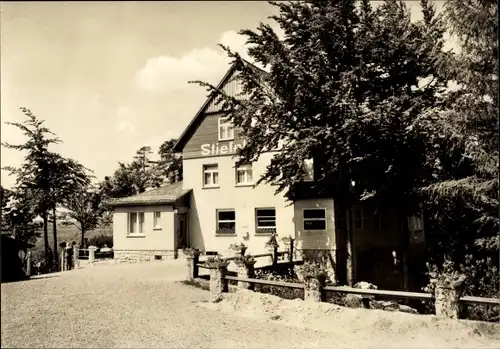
[313, 285]
[275, 256]
[76, 256]
[28, 264]
[192, 264]
[218, 282]
[92, 254]
[63, 259]
[447, 301]
[245, 270]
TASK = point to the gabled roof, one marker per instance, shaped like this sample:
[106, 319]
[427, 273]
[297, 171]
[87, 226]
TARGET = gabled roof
[167, 194]
[198, 118]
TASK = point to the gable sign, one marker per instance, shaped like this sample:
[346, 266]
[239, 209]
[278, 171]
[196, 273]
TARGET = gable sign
[216, 149]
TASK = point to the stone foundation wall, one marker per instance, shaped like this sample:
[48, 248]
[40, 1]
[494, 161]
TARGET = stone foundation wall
[134, 256]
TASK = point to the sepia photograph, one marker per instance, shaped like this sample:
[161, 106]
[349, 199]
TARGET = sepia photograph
[250, 174]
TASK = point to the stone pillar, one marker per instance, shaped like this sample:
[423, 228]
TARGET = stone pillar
[28, 264]
[192, 264]
[447, 301]
[275, 256]
[63, 259]
[245, 270]
[76, 256]
[92, 254]
[313, 290]
[218, 283]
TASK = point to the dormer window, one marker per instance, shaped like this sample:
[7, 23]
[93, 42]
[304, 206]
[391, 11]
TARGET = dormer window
[226, 129]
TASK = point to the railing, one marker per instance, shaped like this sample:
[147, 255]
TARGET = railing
[365, 293]
[76, 257]
[384, 293]
[269, 254]
[447, 303]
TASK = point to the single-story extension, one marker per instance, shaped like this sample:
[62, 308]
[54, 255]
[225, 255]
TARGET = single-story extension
[217, 204]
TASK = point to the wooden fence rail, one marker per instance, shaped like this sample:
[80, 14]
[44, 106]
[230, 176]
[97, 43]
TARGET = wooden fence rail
[368, 292]
[447, 301]
[265, 282]
[384, 293]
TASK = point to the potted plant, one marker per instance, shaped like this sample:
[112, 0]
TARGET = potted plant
[446, 278]
[216, 261]
[446, 284]
[244, 260]
[189, 251]
[312, 271]
[225, 231]
[240, 249]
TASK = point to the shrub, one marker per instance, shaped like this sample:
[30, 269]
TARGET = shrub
[283, 292]
[336, 298]
[102, 240]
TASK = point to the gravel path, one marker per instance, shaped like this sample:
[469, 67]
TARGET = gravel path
[132, 306]
[144, 306]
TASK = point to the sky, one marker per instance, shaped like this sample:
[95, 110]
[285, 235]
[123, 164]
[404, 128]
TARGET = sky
[111, 77]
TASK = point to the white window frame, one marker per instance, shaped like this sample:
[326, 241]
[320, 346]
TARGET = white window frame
[209, 168]
[223, 122]
[156, 220]
[267, 229]
[137, 225]
[357, 209]
[217, 221]
[245, 168]
[314, 219]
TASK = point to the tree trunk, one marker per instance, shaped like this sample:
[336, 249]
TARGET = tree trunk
[45, 237]
[349, 247]
[82, 241]
[403, 218]
[54, 234]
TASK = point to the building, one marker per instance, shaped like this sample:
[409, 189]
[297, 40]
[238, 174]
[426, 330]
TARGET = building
[217, 204]
[14, 267]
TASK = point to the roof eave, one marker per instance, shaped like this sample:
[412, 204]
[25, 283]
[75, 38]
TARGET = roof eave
[142, 203]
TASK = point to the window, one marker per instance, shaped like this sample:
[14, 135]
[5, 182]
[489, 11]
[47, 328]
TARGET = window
[226, 130]
[135, 223]
[265, 220]
[415, 223]
[244, 174]
[309, 168]
[357, 218]
[157, 220]
[210, 175]
[314, 219]
[226, 222]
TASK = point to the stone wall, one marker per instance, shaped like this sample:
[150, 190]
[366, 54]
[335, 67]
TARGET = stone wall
[133, 256]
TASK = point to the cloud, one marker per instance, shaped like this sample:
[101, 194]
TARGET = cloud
[167, 73]
[125, 126]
